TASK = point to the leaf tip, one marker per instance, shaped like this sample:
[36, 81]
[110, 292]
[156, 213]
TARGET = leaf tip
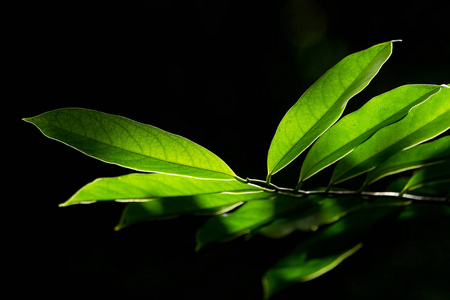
[198, 243]
[28, 120]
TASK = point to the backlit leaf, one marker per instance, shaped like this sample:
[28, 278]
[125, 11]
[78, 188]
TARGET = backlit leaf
[423, 122]
[163, 208]
[437, 173]
[135, 187]
[322, 104]
[416, 157]
[130, 144]
[358, 126]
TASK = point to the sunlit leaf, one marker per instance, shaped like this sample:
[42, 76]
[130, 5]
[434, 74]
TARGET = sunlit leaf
[437, 173]
[358, 126]
[323, 251]
[130, 144]
[322, 104]
[135, 187]
[163, 208]
[423, 122]
[249, 217]
[413, 158]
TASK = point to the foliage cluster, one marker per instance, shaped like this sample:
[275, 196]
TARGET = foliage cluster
[397, 132]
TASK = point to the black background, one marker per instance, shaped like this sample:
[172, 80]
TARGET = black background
[223, 74]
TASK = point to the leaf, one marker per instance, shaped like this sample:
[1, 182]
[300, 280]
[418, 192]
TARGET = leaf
[437, 173]
[413, 158]
[164, 208]
[323, 251]
[135, 187]
[298, 267]
[130, 144]
[249, 217]
[424, 211]
[328, 211]
[424, 122]
[358, 126]
[322, 104]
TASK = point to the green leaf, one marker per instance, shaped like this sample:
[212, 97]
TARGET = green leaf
[328, 211]
[423, 122]
[322, 104]
[249, 217]
[413, 158]
[140, 187]
[424, 211]
[357, 127]
[437, 173]
[164, 208]
[298, 267]
[130, 144]
[323, 251]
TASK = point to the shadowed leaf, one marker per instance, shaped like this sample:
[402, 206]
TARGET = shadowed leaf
[164, 208]
[323, 251]
[249, 217]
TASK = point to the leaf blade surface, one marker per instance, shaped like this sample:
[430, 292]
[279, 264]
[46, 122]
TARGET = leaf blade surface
[133, 187]
[322, 104]
[423, 122]
[430, 175]
[323, 251]
[416, 157]
[358, 126]
[119, 140]
[163, 208]
[249, 217]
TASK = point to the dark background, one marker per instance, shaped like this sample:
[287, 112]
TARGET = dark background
[223, 74]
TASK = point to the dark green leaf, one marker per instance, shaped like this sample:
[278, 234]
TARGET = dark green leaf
[322, 104]
[327, 211]
[130, 144]
[323, 251]
[423, 211]
[357, 127]
[249, 217]
[164, 208]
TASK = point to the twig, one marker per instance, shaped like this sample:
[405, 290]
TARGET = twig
[335, 193]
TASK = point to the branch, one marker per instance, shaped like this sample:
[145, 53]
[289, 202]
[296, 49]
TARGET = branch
[335, 193]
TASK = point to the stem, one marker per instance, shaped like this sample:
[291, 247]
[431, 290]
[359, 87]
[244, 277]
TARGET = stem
[335, 193]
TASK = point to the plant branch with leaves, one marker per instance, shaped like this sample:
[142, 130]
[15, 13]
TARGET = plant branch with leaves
[398, 132]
